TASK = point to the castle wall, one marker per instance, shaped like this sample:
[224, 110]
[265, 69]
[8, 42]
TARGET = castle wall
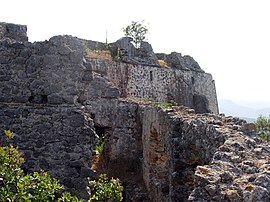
[56, 102]
[41, 85]
[57, 139]
[42, 88]
[189, 88]
[44, 72]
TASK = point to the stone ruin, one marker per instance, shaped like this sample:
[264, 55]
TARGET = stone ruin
[58, 100]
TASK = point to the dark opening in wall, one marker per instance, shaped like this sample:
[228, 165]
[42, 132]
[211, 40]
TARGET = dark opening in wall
[151, 76]
[103, 138]
[101, 162]
[30, 99]
[44, 99]
[38, 99]
[192, 80]
[100, 131]
[92, 116]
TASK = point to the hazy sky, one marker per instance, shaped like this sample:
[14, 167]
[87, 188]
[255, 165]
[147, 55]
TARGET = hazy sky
[228, 38]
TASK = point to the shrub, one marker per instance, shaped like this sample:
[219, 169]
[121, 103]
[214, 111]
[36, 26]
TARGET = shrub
[137, 31]
[17, 186]
[106, 190]
[263, 127]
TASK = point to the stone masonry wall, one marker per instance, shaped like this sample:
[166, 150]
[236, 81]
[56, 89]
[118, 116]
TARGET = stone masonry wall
[44, 72]
[194, 89]
[42, 88]
[41, 85]
[59, 140]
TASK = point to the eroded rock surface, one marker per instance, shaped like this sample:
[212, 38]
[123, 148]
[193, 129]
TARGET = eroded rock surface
[13, 32]
[186, 62]
[124, 51]
[239, 171]
[191, 157]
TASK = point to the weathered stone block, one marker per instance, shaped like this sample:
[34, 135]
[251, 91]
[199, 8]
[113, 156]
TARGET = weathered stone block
[13, 31]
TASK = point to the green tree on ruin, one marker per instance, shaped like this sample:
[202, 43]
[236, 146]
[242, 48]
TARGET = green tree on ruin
[137, 31]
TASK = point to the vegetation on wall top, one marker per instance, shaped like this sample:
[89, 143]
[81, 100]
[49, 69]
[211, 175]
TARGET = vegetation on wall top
[137, 31]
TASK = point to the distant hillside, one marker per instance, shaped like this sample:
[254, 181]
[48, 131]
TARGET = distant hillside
[251, 113]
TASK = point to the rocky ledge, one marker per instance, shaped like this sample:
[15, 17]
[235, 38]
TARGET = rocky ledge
[203, 157]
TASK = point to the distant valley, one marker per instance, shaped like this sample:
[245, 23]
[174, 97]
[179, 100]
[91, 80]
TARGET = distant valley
[245, 110]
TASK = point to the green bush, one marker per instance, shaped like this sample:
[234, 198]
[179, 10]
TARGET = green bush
[20, 187]
[263, 127]
[15, 186]
[106, 190]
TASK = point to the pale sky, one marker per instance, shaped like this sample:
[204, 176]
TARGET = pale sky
[228, 38]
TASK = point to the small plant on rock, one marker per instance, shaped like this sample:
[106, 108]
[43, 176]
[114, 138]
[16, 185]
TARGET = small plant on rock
[167, 105]
[100, 147]
[107, 190]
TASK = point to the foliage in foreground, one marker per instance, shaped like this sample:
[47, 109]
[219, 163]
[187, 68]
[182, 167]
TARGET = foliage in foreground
[17, 186]
[39, 186]
[106, 189]
[263, 127]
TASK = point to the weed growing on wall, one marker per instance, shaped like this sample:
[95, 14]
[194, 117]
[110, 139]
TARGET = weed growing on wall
[167, 105]
[163, 63]
[118, 58]
[100, 147]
